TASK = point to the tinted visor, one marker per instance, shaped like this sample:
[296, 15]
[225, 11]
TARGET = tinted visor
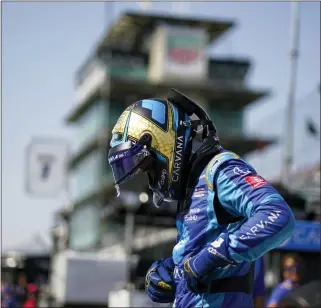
[126, 159]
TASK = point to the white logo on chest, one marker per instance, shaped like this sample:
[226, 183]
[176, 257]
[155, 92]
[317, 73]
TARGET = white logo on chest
[191, 215]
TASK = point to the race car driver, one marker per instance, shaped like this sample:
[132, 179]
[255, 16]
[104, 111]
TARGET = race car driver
[227, 215]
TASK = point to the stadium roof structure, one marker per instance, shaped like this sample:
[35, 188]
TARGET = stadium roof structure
[131, 28]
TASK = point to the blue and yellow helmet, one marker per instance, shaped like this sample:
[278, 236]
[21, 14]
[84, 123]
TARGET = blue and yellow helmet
[153, 135]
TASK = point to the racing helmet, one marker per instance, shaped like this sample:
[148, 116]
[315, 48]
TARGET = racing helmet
[154, 136]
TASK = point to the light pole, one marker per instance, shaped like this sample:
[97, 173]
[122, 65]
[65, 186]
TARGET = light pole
[289, 129]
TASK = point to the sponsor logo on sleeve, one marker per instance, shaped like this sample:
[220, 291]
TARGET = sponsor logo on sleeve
[271, 218]
[241, 171]
[255, 181]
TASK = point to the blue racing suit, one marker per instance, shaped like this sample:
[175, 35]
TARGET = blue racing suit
[259, 286]
[266, 222]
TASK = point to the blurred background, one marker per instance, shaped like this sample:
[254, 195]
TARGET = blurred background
[70, 69]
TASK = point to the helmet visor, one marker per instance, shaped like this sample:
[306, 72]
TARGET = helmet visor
[127, 159]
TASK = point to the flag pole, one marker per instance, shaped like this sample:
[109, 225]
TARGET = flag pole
[289, 116]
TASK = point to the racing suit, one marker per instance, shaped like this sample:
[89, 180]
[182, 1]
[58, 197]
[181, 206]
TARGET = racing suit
[266, 222]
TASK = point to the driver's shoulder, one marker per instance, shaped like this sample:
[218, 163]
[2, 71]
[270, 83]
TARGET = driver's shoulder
[221, 160]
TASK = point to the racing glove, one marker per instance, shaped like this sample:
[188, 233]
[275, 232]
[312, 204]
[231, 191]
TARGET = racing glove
[197, 269]
[159, 281]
